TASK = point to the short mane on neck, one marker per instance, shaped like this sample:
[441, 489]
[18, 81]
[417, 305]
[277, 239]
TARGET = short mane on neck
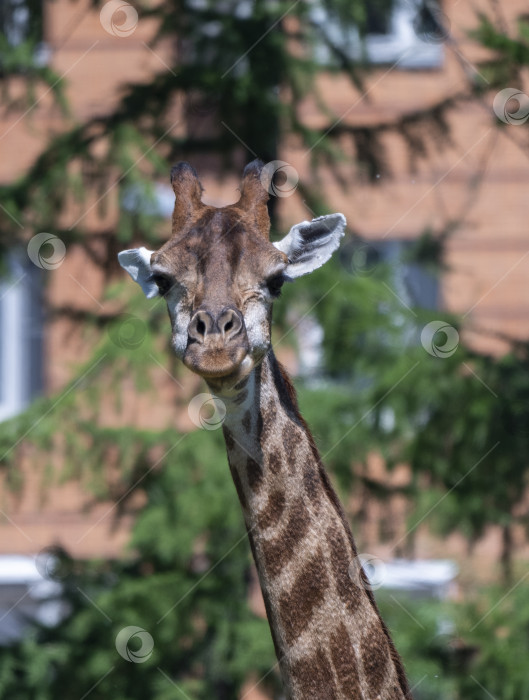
[330, 640]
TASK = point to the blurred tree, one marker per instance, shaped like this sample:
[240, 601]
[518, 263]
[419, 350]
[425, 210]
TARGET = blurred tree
[244, 69]
[467, 650]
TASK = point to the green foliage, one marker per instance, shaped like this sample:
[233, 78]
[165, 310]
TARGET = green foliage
[423, 630]
[185, 581]
[22, 53]
[227, 77]
[478, 454]
[463, 651]
[511, 54]
[460, 421]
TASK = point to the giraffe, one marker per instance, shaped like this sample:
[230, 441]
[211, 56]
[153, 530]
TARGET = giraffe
[220, 274]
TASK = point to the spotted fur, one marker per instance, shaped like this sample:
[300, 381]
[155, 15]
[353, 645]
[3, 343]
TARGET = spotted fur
[215, 274]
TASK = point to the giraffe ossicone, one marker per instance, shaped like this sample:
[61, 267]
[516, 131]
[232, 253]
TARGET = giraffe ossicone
[219, 274]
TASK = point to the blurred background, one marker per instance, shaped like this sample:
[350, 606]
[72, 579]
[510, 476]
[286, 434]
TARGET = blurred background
[124, 566]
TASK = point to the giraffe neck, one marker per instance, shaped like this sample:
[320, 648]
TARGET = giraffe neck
[329, 638]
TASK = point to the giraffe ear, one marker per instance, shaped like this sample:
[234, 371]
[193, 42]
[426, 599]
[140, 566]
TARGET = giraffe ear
[310, 244]
[137, 262]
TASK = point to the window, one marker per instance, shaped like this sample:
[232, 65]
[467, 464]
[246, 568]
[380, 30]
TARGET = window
[20, 336]
[21, 21]
[415, 285]
[405, 32]
[27, 595]
[412, 283]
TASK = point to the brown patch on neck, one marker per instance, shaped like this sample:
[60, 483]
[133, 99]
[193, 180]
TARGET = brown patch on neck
[274, 461]
[274, 509]
[312, 486]
[307, 594]
[374, 648]
[267, 423]
[345, 662]
[277, 552]
[255, 474]
[314, 678]
[350, 593]
[285, 390]
[266, 599]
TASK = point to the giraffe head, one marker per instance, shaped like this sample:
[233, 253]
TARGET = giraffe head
[220, 274]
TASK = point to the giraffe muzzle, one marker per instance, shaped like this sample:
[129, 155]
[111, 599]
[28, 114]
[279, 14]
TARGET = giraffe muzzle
[206, 327]
[217, 342]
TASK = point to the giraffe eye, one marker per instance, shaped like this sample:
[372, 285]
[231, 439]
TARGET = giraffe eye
[274, 285]
[162, 282]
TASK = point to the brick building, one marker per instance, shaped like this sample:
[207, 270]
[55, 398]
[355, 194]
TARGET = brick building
[479, 177]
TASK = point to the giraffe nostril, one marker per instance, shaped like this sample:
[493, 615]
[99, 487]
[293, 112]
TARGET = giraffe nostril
[230, 324]
[201, 324]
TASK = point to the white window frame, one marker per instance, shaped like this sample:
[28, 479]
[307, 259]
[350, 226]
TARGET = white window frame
[28, 595]
[17, 335]
[400, 46]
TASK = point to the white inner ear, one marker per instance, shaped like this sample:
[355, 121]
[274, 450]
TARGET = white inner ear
[310, 244]
[137, 262]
